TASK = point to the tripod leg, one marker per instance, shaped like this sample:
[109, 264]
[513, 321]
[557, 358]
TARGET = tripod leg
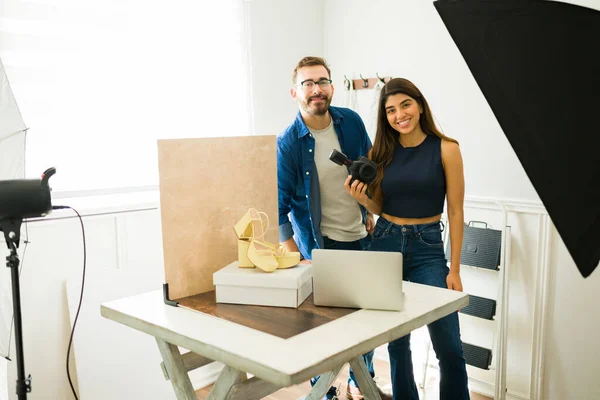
[23, 385]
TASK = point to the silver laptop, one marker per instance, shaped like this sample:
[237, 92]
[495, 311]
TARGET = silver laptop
[357, 279]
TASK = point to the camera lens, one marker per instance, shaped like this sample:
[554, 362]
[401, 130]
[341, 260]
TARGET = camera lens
[367, 173]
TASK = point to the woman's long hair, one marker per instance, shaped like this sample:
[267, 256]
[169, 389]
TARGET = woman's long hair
[386, 137]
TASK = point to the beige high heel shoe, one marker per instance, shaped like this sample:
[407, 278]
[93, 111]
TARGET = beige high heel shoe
[285, 259]
[244, 230]
[253, 250]
[261, 255]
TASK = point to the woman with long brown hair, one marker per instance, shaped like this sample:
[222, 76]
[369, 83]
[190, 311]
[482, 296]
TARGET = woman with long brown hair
[419, 168]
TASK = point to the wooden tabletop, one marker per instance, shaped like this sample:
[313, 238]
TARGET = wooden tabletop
[273, 358]
[278, 321]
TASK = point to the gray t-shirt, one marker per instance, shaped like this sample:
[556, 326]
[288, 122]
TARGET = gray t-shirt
[341, 215]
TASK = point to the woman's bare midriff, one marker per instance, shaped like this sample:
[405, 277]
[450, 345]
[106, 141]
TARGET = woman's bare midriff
[411, 221]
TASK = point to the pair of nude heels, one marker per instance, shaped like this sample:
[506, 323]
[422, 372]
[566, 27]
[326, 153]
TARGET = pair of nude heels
[254, 250]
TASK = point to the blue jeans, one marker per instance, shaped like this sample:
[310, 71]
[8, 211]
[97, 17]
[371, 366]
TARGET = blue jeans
[424, 262]
[368, 357]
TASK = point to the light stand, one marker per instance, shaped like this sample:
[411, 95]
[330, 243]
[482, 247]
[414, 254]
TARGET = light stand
[20, 199]
[11, 229]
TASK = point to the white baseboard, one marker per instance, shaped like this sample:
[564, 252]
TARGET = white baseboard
[487, 389]
[478, 386]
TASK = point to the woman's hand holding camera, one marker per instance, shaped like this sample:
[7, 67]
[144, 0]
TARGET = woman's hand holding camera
[357, 189]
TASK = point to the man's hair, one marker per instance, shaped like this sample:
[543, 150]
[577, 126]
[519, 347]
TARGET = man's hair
[309, 62]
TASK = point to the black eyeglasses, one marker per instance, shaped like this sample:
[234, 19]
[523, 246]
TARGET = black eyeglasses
[309, 84]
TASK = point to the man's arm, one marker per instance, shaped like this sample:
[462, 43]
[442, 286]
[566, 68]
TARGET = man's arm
[290, 245]
[286, 177]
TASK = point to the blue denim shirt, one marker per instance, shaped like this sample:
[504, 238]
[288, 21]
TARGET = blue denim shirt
[297, 179]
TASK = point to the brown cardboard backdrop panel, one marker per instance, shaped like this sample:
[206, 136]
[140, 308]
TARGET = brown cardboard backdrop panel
[206, 186]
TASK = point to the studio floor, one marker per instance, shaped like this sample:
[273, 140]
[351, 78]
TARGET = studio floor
[382, 371]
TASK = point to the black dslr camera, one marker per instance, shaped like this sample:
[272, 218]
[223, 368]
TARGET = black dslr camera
[362, 169]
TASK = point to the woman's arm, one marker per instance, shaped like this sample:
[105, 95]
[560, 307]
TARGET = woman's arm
[358, 190]
[455, 194]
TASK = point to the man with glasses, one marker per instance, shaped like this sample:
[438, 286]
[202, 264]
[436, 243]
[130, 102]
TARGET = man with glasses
[311, 187]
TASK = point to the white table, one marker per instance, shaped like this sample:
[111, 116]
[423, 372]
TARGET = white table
[275, 362]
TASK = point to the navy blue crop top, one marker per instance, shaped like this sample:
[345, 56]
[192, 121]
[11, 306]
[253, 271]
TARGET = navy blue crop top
[414, 184]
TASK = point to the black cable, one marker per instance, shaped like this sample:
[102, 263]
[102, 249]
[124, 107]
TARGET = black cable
[80, 296]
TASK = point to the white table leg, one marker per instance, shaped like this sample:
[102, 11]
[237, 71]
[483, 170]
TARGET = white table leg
[365, 381]
[228, 377]
[253, 388]
[191, 361]
[323, 384]
[176, 370]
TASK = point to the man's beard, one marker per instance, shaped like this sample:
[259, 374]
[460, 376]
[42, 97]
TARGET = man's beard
[319, 110]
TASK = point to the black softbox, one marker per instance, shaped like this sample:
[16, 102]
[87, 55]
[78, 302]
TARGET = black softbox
[538, 66]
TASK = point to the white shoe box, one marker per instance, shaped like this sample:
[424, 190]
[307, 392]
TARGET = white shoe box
[280, 288]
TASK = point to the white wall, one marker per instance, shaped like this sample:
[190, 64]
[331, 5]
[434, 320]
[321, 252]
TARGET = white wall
[124, 247]
[408, 39]
[573, 327]
[124, 258]
[102, 78]
[282, 32]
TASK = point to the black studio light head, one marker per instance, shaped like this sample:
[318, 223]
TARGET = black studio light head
[23, 198]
